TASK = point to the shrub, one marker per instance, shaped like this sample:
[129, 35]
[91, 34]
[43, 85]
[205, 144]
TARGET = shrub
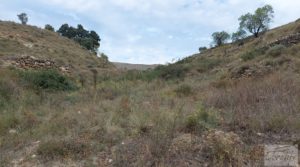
[276, 50]
[49, 27]
[63, 149]
[183, 90]
[202, 49]
[6, 91]
[252, 54]
[201, 120]
[7, 121]
[169, 72]
[47, 80]
[248, 56]
[206, 64]
[223, 149]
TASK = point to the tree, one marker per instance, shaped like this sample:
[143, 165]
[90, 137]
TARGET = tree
[49, 27]
[239, 35]
[104, 57]
[23, 18]
[96, 39]
[219, 38]
[63, 30]
[88, 39]
[257, 22]
[202, 49]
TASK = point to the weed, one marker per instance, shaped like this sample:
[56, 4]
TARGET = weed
[183, 90]
[276, 51]
[172, 71]
[205, 64]
[252, 54]
[47, 80]
[61, 149]
[201, 120]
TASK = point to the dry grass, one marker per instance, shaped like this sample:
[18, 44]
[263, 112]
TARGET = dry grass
[188, 114]
[268, 106]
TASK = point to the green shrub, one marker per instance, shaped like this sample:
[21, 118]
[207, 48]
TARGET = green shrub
[203, 119]
[248, 56]
[183, 90]
[63, 149]
[276, 50]
[47, 80]
[206, 64]
[8, 121]
[4, 94]
[169, 72]
[132, 75]
[252, 54]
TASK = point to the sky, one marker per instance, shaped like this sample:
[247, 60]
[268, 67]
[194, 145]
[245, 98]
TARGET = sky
[147, 31]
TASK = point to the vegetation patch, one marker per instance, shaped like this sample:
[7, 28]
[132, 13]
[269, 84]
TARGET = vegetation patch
[252, 54]
[62, 149]
[206, 64]
[201, 120]
[47, 80]
[276, 51]
[183, 90]
[170, 72]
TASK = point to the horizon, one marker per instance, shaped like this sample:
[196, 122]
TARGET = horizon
[151, 32]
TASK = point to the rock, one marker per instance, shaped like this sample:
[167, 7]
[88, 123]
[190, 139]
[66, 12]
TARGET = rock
[12, 131]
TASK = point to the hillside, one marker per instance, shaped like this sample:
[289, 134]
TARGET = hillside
[19, 43]
[216, 108]
[127, 66]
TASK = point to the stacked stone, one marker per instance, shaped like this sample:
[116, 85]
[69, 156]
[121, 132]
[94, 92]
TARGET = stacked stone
[29, 62]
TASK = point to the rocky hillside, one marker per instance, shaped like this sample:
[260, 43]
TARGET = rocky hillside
[29, 47]
[275, 50]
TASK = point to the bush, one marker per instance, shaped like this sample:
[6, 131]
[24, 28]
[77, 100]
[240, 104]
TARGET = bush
[47, 80]
[201, 120]
[252, 54]
[169, 72]
[8, 121]
[183, 90]
[206, 64]
[63, 149]
[49, 27]
[202, 49]
[276, 50]
[7, 90]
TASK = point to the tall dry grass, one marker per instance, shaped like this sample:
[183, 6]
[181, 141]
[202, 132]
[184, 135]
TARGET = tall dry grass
[266, 105]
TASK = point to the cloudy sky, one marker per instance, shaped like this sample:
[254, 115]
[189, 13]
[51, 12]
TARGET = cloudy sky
[147, 31]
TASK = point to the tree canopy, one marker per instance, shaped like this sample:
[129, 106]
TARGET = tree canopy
[49, 27]
[202, 49]
[239, 35]
[88, 39]
[219, 38]
[23, 18]
[257, 22]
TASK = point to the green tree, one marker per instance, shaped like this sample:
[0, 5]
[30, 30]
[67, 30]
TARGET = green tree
[202, 49]
[63, 30]
[104, 57]
[96, 40]
[23, 18]
[88, 39]
[239, 35]
[257, 22]
[219, 38]
[49, 27]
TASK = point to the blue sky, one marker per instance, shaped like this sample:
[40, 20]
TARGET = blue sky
[147, 31]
